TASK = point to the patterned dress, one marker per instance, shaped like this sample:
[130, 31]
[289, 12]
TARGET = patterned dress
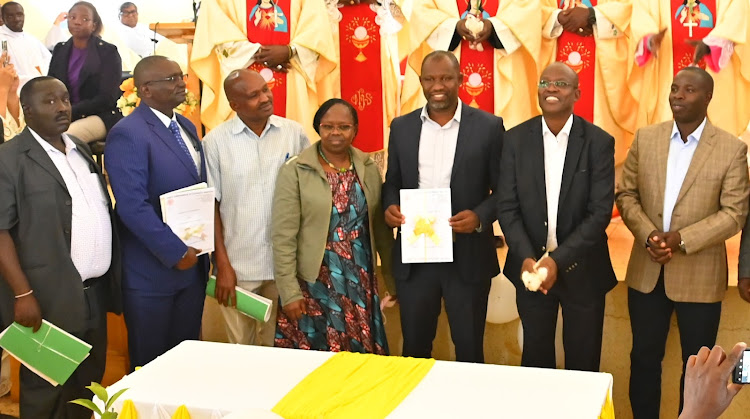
[343, 306]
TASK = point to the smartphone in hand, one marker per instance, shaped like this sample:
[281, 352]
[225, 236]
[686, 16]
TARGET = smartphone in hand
[741, 374]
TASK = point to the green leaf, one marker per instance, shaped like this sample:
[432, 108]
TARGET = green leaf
[114, 397]
[99, 391]
[87, 404]
[109, 415]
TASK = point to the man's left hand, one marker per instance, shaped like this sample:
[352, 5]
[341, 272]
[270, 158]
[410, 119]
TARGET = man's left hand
[743, 286]
[549, 282]
[273, 56]
[575, 19]
[701, 50]
[465, 221]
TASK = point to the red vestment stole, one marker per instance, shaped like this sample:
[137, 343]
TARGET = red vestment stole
[690, 21]
[579, 53]
[270, 26]
[477, 67]
[361, 74]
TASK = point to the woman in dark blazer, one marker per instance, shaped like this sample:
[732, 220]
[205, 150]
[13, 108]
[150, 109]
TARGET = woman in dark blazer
[91, 70]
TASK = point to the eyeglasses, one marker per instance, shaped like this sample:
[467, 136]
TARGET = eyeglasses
[543, 84]
[172, 79]
[341, 128]
[129, 13]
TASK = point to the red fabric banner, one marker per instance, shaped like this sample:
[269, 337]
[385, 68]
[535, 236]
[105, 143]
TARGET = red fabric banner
[579, 53]
[477, 66]
[268, 24]
[691, 20]
[361, 75]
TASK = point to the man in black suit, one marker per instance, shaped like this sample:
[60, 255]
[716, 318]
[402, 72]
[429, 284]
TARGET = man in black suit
[446, 144]
[555, 199]
[59, 253]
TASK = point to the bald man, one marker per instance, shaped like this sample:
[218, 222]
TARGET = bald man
[555, 220]
[151, 152]
[244, 155]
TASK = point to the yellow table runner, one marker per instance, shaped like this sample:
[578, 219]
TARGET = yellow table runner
[352, 385]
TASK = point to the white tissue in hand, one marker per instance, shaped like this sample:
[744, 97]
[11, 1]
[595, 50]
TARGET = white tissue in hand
[475, 25]
[532, 280]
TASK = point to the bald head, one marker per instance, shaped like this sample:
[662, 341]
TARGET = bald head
[143, 71]
[441, 55]
[238, 81]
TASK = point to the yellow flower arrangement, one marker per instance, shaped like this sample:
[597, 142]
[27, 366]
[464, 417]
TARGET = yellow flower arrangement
[130, 100]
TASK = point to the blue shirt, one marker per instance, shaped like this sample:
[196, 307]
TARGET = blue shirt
[678, 162]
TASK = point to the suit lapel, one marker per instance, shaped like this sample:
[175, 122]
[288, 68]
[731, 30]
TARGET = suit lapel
[572, 154]
[163, 133]
[534, 156]
[37, 153]
[701, 155]
[662, 155]
[411, 171]
[465, 129]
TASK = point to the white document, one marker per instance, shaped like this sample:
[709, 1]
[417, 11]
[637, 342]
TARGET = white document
[427, 236]
[189, 212]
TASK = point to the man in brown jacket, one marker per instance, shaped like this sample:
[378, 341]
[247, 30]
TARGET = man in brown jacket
[683, 192]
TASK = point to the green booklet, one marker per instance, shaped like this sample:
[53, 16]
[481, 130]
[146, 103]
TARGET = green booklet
[51, 352]
[248, 303]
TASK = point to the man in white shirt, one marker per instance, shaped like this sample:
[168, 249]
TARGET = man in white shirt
[554, 218]
[29, 56]
[137, 37]
[446, 144]
[59, 253]
[243, 157]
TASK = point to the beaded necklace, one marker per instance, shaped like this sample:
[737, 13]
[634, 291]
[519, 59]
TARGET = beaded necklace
[339, 170]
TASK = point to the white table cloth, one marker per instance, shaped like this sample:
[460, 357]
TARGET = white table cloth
[214, 380]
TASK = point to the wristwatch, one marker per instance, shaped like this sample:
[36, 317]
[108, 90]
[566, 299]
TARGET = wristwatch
[592, 16]
[682, 246]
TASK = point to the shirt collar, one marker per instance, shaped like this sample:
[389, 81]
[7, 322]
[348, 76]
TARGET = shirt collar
[565, 129]
[9, 33]
[69, 144]
[164, 118]
[456, 116]
[695, 135]
[238, 126]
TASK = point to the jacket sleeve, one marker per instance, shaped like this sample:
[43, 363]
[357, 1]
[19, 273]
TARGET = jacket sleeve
[285, 225]
[487, 209]
[393, 183]
[628, 198]
[383, 239]
[508, 205]
[127, 164]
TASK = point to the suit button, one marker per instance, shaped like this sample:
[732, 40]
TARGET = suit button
[68, 202]
[659, 215]
[67, 231]
[545, 224]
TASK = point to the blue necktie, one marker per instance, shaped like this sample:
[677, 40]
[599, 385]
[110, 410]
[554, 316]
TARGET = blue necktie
[176, 133]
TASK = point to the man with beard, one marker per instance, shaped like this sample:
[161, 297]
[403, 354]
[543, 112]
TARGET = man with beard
[59, 253]
[243, 157]
[446, 144]
[151, 152]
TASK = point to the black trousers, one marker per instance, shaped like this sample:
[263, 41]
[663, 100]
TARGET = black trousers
[42, 400]
[583, 320]
[650, 316]
[420, 298]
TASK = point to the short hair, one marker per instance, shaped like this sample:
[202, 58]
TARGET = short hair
[442, 54]
[126, 5]
[326, 106]
[703, 74]
[143, 66]
[5, 6]
[30, 87]
[95, 15]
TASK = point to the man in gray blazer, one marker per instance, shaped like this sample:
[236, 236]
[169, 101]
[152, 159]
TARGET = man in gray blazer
[59, 253]
[446, 144]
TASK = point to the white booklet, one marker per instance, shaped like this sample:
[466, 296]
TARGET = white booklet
[427, 236]
[189, 212]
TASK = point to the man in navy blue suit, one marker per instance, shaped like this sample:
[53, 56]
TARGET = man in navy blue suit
[151, 152]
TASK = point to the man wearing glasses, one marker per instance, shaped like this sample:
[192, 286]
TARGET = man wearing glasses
[137, 37]
[555, 220]
[151, 152]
